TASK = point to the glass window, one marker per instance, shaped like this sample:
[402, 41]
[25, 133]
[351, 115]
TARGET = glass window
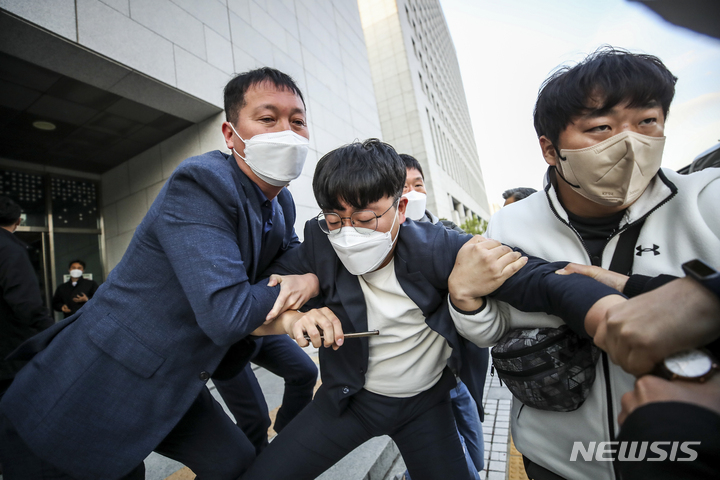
[74, 204]
[28, 191]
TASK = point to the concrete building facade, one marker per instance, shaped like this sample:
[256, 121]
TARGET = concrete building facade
[109, 96]
[421, 101]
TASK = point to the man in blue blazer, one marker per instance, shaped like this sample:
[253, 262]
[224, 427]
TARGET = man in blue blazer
[378, 270]
[126, 375]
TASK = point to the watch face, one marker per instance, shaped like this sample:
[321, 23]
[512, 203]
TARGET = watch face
[689, 364]
[700, 268]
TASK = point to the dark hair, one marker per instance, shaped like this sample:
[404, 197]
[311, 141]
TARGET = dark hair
[411, 162]
[9, 212]
[237, 87]
[358, 174]
[519, 193]
[77, 261]
[608, 76]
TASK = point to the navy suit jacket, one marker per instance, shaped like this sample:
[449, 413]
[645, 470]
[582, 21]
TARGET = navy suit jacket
[107, 384]
[424, 257]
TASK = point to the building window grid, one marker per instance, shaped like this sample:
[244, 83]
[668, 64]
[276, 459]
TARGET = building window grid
[448, 156]
[432, 136]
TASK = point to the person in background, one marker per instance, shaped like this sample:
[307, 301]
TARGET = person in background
[467, 411]
[22, 313]
[72, 295]
[514, 194]
[416, 194]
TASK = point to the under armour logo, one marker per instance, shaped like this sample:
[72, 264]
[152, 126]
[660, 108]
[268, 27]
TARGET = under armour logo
[640, 250]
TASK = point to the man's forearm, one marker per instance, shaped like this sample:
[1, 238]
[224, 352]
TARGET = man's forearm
[280, 326]
[537, 288]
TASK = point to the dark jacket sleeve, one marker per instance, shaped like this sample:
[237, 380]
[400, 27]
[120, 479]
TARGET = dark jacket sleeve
[639, 284]
[671, 422]
[57, 300]
[537, 288]
[20, 288]
[197, 230]
[93, 289]
[299, 260]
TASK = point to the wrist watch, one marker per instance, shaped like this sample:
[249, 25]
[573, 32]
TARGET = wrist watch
[704, 274]
[695, 365]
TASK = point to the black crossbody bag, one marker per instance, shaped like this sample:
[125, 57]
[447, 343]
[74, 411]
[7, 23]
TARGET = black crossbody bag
[554, 368]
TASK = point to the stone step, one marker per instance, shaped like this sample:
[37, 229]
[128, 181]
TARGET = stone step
[376, 459]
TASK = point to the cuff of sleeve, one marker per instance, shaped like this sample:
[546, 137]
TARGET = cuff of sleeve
[581, 301]
[635, 285]
[638, 284]
[463, 312]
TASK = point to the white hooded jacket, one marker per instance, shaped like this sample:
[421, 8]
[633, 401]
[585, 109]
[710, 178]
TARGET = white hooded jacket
[682, 222]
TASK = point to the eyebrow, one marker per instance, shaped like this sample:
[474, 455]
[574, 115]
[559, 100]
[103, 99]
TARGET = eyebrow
[600, 112]
[274, 108]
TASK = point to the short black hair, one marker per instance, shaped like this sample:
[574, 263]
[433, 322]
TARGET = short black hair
[608, 76]
[77, 261]
[411, 162]
[237, 87]
[358, 174]
[9, 212]
[519, 193]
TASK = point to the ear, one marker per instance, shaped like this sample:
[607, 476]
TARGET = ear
[402, 205]
[227, 132]
[548, 151]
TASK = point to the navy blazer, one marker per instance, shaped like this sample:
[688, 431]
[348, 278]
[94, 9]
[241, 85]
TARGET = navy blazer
[424, 257]
[110, 382]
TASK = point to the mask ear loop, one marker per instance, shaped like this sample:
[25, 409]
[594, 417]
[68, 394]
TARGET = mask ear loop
[563, 159]
[243, 140]
[393, 224]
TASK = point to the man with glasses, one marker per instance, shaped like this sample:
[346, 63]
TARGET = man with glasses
[378, 273]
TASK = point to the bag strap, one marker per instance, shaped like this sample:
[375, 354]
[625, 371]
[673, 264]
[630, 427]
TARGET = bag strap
[622, 261]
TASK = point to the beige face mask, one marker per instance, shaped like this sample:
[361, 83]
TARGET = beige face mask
[614, 172]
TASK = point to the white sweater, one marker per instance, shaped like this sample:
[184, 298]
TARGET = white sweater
[408, 357]
[682, 223]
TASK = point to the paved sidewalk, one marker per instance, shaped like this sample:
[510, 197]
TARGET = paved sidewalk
[496, 429]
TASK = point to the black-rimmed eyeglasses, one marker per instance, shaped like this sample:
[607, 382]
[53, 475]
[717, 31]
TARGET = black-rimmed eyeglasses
[364, 222]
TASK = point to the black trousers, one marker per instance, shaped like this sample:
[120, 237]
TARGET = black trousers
[244, 398]
[205, 439]
[536, 472]
[422, 427]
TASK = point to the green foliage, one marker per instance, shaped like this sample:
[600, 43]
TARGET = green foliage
[475, 225]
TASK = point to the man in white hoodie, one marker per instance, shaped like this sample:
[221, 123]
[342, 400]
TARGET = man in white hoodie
[601, 130]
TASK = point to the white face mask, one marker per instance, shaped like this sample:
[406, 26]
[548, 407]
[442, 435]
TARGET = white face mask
[76, 273]
[362, 253]
[276, 157]
[615, 172]
[417, 201]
